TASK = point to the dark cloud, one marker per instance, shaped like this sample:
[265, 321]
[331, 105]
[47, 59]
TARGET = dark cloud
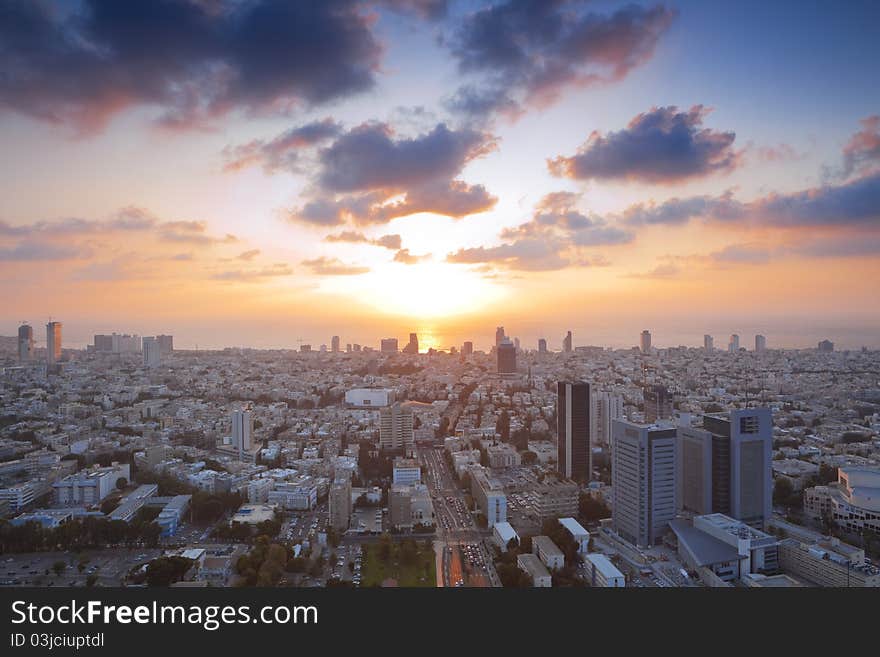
[530, 51]
[37, 251]
[408, 258]
[854, 203]
[282, 152]
[454, 199]
[428, 9]
[527, 254]
[195, 60]
[392, 242]
[862, 151]
[662, 146]
[750, 254]
[324, 266]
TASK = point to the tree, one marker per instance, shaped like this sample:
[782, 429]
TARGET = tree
[59, 567]
[164, 571]
[592, 509]
[121, 483]
[91, 580]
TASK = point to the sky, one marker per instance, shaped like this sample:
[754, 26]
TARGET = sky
[263, 173]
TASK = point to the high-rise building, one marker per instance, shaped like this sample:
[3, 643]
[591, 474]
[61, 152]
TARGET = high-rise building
[566, 343]
[103, 343]
[499, 335]
[340, 504]
[733, 345]
[467, 348]
[826, 346]
[242, 429]
[607, 407]
[574, 455]
[760, 344]
[412, 346]
[708, 342]
[645, 342]
[542, 346]
[388, 346]
[334, 344]
[725, 466]
[25, 343]
[643, 474]
[395, 427]
[53, 343]
[166, 344]
[152, 352]
[506, 356]
[658, 404]
[516, 343]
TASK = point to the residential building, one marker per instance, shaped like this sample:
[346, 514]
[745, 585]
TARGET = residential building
[395, 427]
[532, 566]
[602, 573]
[548, 552]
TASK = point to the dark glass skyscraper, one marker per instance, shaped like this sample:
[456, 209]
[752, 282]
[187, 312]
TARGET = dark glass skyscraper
[506, 355]
[574, 455]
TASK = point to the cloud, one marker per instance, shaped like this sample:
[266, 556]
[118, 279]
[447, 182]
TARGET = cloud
[195, 60]
[370, 175]
[29, 251]
[324, 266]
[751, 254]
[282, 152]
[862, 151]
[253, 275]
[248, 255]
[660, 146]
[663, 271]
[853, 203]
[529, 53]
[555, 238]
[404, 256]
[427, 9]
[392, 242]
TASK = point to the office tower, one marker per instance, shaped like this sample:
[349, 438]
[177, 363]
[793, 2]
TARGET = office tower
[152, 352]
[25, 343]
[645, 342]
[542, 346]
[412, 346]
[499, 335]
[574, 455]
[725, 466]
[334, 344]
[506, 356]
[760, 344]
[166, 344]
[388, 346]
[708, 343]
[467, 348]
[340, 504]
[607, 407]
[242, 429]
[733, 345]
[103, 343]
[826, 346]
[658, 404]
[395, 427]
[566, 343]
[53, 343]
[643, 474]
[516, 343]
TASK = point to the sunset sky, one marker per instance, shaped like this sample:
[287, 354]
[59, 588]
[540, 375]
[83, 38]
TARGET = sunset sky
[249, 172]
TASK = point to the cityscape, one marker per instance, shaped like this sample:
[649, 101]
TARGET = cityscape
[436, 294]
[132, 463]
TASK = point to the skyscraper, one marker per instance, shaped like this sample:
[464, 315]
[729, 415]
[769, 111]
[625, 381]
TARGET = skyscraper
[574, 444]
[395, 427]
[166, 344]
[499, 335]
[566, 343]
[542, 346]
[658, 403]
[708, 343]
[103, 343]
[645, 342]
[733, 345]
[467, 348]
[413, 346]
[340, 504]
[826, 347]
[242, 429]
[725, 466]
[53, 343]
[506, 357]
[607, 407]
[334, 344]
[643, 474]
[152, 352]
[388, 346]
[760, 344]
[25, 343]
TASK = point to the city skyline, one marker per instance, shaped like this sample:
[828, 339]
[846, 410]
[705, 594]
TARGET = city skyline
[440, 166]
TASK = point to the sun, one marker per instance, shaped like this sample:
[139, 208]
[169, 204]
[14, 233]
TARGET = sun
[426, 290]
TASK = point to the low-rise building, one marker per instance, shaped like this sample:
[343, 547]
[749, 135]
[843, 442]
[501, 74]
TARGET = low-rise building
[548, 552]
[602, 573]
[532, 566]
